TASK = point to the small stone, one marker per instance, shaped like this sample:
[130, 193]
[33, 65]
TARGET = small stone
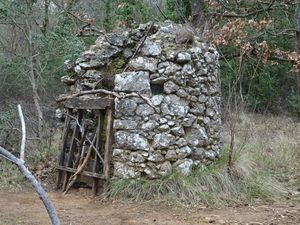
[127, 53]
[163, 120]
[163, 140]
[183, 57]
[150, 125]
[165, 169]
[159, 80]
[136, 157]
[178, 131]
[184, 151]
[163, 127]
[157, 99]
[189, 120]
[171, 123]
[142, 63]
[124, 171]
[197, 137]
[68, 80]
[125, 124]
[182, 93]
[115, 39]
[155, 156]
[188, 70]
[171, 155]
[181, 142]
[170, 87]
[185, 166]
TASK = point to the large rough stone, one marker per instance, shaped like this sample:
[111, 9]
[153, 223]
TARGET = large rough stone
[115, 39]
[142, 63]
[185, 166]
[163, 140]
[136, 157]
[197, 137]
[125, 124]
[144, 110]
[126, 140]
[149, 125]
[124, 171]
[133, 82]
[174, 106]
[150, 49]
[170, 87]
[126, 107]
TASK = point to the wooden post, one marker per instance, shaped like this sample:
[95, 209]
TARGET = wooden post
[96, 166]
[72, 149]
[108, 143]
[63, 147]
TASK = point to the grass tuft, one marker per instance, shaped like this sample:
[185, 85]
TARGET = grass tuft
[266, 168]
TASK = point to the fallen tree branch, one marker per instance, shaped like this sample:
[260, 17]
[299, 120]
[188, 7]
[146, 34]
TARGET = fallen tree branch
[97, 91]
[35, 184]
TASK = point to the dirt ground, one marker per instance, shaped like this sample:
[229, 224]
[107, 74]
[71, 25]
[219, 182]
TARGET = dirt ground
[77, 209]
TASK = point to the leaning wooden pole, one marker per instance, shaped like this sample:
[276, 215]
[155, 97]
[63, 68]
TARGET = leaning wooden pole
[35, 184]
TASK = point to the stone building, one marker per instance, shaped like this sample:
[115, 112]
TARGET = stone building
[167, 97]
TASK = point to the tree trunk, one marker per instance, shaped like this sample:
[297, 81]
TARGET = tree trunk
[298, 50]
[197, 14]
[33, 82]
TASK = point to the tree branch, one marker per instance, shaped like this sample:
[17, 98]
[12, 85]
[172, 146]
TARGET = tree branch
[235, 15]
[35, 184]
[23, 142]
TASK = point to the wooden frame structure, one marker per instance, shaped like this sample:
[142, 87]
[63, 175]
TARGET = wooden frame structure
[83, 151]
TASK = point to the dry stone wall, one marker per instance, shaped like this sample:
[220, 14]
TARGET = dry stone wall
[174, 121]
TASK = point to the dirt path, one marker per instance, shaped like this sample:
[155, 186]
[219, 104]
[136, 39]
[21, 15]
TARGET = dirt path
[25, 208]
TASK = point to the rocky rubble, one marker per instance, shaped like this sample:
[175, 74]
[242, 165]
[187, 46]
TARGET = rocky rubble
[179, 127]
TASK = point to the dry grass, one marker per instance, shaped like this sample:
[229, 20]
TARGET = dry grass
[266, 168]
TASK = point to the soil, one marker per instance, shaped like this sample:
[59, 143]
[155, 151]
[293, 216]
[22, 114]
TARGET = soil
[76, 208]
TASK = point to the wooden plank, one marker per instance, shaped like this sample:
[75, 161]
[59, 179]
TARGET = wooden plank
[84, 173]
[108, 143]
[96, 166]
[92, 103]
[63, 147]
[72, 149]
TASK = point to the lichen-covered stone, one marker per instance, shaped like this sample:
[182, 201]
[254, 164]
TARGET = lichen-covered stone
[185, 166]
[125, 124]
[163, 140]
[197, 137]
[127, 140]
[144, 110]
[142, 63]
[133, 82]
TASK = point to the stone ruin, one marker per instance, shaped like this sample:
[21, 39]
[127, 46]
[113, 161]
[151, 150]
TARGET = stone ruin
[172, 120]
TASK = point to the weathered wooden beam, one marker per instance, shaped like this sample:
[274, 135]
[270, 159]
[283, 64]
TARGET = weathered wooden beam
[63, 147]
[108, 143]
[96, 166]
[84, 173]
[72, 149]
[89, 103]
